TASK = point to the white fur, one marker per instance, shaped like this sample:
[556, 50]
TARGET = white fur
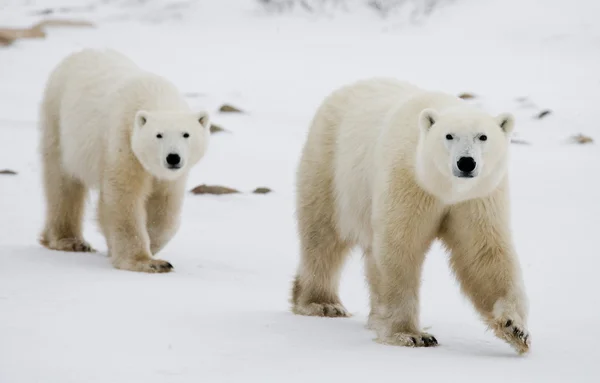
[100, 93]
[383, 127]
[109, 125]
[378, 170]
[156, 135]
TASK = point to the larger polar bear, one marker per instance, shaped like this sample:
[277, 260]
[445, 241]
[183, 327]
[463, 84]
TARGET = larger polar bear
[390, 167]
[106, 124]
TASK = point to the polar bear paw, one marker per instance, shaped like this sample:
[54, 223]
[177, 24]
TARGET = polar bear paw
[514, 333]
[144, 266]
[407, 339]
[67, 244]
[331, 310]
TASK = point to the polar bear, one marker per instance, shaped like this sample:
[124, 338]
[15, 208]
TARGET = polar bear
[390, 167]
[106, 124]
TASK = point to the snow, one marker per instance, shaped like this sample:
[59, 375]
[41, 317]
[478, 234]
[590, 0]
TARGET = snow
[223, 315]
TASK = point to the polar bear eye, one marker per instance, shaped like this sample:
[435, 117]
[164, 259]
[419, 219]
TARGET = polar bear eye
[449, 137]
[483, 137]
[159, 135]
[186, 135]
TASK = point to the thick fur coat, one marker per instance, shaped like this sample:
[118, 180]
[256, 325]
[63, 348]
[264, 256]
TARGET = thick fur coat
[108, 125]
[390, 167]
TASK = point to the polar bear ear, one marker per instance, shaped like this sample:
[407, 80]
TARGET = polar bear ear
[506, 121]
[141, 117]
[203, 119]
[427, 118]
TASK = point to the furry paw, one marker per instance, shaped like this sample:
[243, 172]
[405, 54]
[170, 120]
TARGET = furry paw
[405, 339]
[514, 333]
[68, 244]
[145, 266]
[332, 310]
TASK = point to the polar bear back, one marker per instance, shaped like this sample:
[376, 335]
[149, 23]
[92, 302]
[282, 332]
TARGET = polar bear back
[93, 96]
[340, 148]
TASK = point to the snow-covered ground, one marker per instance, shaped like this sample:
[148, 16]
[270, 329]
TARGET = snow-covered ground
[223, 315]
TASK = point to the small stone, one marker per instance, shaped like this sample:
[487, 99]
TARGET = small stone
[226, 108]
[213, 189]
[467, 96]
[262, 190]
[543, 114]
[8, 172]
[214, 128]
[582, 139]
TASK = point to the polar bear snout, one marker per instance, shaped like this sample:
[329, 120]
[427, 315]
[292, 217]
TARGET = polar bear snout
[173, 161]
[465, 167]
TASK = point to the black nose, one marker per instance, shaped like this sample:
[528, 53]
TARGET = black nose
[173, 159]
[466, 164]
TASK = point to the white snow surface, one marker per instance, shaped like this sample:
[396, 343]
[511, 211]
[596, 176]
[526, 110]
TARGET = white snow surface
[223, 314]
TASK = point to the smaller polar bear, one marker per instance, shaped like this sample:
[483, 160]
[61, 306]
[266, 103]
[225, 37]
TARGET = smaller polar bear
[108, 125]
[390, 167]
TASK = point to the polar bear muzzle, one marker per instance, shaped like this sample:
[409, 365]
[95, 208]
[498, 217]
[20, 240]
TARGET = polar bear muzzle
[173, 161]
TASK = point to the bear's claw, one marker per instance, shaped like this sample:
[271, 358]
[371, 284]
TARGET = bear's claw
[411, 340]
[68, 244]
[145, 265]
[514, 334]
[331, 310]
[166, 266]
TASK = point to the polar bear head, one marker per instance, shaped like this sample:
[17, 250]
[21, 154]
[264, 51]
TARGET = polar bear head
[462, 152]
[168, 144]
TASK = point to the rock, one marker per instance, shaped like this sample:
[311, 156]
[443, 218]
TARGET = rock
[214, 128]
[5, 40]
[226, 108]
[543, 114]
[213, 189]
[519, 141]
[42, 12]
[64, 23]
[262, 190]
[9, 35]
[467, 96]
[582, 139]
[8, 172]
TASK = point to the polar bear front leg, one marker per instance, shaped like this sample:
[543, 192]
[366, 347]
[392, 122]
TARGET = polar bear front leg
[485, 263]
[163, 209]
[122, 214]
[400, 244]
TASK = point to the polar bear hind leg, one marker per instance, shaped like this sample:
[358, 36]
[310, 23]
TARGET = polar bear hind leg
[323, 251]
[64, 196]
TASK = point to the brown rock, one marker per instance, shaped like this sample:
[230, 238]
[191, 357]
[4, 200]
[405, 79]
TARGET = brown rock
[214, 128]
[8, 172]
[226, 108]
[467, 96]
[5, 40]
[582, 139]
[9, 35]
[213, 189]
[63, 23]
[262, 190]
